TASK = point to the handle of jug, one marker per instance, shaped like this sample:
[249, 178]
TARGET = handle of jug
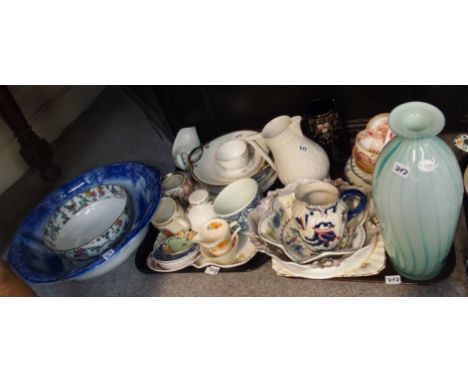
[354, 193]
[251, 140]
[296, 125]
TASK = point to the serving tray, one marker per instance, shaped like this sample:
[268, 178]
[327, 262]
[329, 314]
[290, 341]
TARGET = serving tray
[260, 258]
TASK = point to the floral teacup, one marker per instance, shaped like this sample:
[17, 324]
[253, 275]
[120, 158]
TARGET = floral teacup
[320, 213]
[217, 236]
[177, 185]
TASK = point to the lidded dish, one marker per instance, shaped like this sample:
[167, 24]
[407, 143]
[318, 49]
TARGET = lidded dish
[370, 142]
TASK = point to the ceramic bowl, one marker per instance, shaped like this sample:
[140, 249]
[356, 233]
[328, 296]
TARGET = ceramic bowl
[235, 201]
[365, 159]
[89, 223]
[37, 263]
[175, 247]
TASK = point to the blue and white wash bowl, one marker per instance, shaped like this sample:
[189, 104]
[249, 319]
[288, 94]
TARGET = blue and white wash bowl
[36, 262]
[236, 201]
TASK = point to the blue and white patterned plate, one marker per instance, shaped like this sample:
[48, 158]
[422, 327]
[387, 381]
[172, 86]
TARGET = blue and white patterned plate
[36, 263]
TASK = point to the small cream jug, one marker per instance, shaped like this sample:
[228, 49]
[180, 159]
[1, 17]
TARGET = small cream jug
[295, 156]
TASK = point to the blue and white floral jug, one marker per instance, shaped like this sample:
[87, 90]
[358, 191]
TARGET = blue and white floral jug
[417, 192]
[321, 214]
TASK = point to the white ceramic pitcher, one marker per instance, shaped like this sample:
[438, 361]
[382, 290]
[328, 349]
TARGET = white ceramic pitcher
[185, 141]
[295, 156]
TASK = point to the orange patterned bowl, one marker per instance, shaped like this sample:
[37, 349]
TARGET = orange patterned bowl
[365, 159]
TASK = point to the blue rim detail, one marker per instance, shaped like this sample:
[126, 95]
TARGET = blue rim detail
[27, 249]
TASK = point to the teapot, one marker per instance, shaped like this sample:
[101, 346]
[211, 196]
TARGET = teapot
[295, 156]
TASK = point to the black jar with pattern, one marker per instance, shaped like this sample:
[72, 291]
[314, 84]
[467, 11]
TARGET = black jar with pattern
[321, 122]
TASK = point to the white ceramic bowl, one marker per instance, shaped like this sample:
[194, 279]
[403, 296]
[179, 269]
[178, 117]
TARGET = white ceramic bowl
[235, 201]
[89, 223]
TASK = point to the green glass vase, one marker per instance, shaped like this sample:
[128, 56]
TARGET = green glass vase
[417, 191]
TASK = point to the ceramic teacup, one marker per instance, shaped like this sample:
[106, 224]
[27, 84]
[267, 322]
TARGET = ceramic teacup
[170, 217]
[217, 236]
[232, 155]
[177, 185]
[236, 200]
[321, 213]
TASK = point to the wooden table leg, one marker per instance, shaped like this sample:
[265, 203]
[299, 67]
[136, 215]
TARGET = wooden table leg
[11, 285]
[35, 151]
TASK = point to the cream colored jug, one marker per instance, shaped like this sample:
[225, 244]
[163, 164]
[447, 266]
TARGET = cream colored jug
[295, 156]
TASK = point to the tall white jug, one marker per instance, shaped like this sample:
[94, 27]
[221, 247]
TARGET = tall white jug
[295, 156]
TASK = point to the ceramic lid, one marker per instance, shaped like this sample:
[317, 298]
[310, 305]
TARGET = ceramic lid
[198, 197]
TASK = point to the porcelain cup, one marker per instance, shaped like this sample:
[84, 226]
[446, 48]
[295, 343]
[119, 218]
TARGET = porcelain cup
[170, 217]
[178, 186]
[232, 155]
[321, 213]
[217, 236]
[236, 200]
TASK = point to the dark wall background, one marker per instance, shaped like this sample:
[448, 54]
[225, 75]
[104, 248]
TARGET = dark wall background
[219, 109]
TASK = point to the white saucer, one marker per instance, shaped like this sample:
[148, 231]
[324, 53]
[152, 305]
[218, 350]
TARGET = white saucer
[254, 164]
[242, 254]
[367, 261]
[356, 176]
[203, 169]
[154, 265]
[222, 258]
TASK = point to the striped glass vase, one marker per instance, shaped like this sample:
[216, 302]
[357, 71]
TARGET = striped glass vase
[417, 192]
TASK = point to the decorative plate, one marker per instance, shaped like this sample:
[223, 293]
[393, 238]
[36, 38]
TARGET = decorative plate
[156, 266]
[356, 176]
[461, 142]
[366, 261]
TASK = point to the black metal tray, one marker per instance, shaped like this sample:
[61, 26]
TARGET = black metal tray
[260, 258]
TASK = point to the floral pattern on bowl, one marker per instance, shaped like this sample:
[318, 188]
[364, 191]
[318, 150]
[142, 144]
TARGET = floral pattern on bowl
[72, 208]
